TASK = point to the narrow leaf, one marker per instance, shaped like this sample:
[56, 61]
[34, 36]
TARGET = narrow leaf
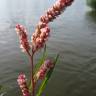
[48, 75]
[37, 66]
[3, 90]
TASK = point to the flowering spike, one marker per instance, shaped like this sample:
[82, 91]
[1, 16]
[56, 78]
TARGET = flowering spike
[47, 65]
[24, 44]
[41, 33]
[23, 85]
[39, 37]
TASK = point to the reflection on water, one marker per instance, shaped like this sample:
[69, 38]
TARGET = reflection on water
[91, 15]
[75, 33]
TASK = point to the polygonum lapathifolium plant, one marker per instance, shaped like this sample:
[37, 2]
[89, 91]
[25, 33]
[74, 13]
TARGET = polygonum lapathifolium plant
[42, 70]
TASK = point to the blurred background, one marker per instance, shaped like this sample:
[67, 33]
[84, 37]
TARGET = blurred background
[73, 35]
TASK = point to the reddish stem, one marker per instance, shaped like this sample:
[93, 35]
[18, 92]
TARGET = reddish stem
[32, 74]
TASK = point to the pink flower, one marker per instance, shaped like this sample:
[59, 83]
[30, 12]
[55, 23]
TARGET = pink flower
[40, 36]
[23, 85]
[46, 66]
[55, 10]
[24, 44]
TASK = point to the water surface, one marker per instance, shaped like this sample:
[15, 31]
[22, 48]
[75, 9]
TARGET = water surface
[73, 35]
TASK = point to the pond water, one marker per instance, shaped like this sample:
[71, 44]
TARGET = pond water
[73, 36]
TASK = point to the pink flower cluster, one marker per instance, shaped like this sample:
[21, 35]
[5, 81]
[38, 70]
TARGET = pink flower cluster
[55, 10]
[23, 85]
[46, 66]
[42, 30]
[24, 44]
[39, 37]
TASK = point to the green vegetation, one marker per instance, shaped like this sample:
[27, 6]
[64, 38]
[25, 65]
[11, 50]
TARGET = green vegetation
[92, 4]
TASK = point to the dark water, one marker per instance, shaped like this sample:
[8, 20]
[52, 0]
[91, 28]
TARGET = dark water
[73, 36]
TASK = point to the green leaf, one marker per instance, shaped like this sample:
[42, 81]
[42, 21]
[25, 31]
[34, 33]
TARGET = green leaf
[92, 4]
[0, 87]
[37, 66]
[3, 90]
[48, 75]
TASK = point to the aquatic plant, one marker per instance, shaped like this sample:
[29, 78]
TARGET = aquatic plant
[43, 70]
